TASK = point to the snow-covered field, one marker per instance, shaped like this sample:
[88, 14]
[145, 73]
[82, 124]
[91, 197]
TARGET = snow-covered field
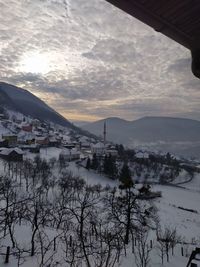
[187, 223]
[188, 196]
[173, 198]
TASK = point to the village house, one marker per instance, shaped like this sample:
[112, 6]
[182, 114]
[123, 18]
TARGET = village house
[2, 117]
[42, 140]
[31, 148]
[98, 148]
[7, 124]
[68, 146]
[35, 122]
[29, 140]
[54, 142]
[11, 139]
[84, 142]
[27, 128]
[142, 155]
[18, 121]
[40, 130]
[12, 154]
[85, 145]
[3, 142]
[25, 138]
[70, 154]
[85, 148]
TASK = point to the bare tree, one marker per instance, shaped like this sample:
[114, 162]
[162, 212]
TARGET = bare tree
[38, 216]
[167, 239]
[143, 249]
[21, 254]
[46, 249]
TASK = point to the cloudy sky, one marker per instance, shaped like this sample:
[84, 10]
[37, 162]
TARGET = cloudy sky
[88, 60]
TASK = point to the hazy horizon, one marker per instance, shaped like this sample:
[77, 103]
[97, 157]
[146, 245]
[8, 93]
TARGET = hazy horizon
[83, 121]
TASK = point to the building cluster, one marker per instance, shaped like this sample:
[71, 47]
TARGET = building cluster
[22, 135]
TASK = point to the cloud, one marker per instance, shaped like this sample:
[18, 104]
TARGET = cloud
[182, 64]
[102, 62]
[192, 84]
[113, 52]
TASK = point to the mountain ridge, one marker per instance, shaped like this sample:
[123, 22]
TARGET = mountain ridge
[154, 132]
[23, 101]
[145, 118]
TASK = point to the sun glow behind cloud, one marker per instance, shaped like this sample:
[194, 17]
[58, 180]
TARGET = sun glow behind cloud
[63, 63]
[35, 62]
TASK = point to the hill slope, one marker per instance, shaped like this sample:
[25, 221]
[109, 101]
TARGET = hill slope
[173, 134]
[23, 101]
[20, 100]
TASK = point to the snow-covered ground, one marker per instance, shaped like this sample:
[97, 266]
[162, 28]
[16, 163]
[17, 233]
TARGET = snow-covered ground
[91, 177]
[187, 223]
[194, 184]
[176, 261]
[187, 196]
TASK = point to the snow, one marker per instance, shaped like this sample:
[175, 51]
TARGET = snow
[3, 130]
[194, 184]
[98, 145]
[91, 177]
[187, 223]
[50, 152]
[176, 261]
[182, 178]
[7, 151]
[186, 196]
[142, 155]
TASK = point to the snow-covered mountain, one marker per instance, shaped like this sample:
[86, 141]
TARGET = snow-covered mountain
[28, 104]
[177, 135]
[20, 100]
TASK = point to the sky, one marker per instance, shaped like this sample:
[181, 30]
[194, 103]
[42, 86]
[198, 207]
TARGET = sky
[89, 60]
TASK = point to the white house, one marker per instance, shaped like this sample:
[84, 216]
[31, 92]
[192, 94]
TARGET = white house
[98, 148]
[142, 155]
[70, 154]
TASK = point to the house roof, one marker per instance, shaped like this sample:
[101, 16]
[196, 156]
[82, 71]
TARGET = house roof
[24, 123]
[2, 148]
[142, 155]
[98, 145]
[7, 151]
[9, 135]
[40, 138]
[53, 139]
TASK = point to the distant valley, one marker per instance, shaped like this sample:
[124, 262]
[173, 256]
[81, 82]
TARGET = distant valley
[176, 135]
